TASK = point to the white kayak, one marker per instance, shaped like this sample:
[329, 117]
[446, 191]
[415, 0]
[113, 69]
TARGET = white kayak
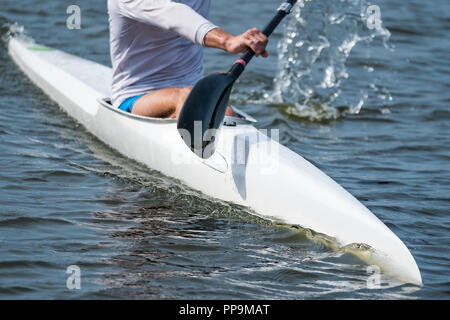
[248, 168]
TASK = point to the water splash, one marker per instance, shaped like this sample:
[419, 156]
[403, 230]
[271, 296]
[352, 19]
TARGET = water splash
[312, 77]
[8, 30]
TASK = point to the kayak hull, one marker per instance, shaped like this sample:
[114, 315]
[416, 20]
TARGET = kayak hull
[249, 168]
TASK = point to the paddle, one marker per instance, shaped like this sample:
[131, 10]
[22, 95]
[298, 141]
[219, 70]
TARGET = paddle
[204, 109]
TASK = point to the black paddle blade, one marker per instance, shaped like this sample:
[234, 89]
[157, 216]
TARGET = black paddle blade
[203, 113]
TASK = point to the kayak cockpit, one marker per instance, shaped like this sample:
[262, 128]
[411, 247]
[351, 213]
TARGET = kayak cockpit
[242, 118]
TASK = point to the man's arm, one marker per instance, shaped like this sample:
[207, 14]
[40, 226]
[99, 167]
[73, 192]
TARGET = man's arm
[183, 20]
[253, 38]
[168, 15]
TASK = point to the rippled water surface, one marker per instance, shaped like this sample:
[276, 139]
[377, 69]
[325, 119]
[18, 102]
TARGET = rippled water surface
[370, 108]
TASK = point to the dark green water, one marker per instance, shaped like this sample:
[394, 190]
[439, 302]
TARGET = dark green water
[66, 199]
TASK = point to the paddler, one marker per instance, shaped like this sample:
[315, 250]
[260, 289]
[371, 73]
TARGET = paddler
[157, 52]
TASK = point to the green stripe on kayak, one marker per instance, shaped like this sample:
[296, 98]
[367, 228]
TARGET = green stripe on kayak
[39, 48]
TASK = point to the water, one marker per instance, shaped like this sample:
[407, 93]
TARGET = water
[378, 124]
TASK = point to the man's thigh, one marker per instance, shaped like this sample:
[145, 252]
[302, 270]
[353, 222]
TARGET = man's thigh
[163, 103]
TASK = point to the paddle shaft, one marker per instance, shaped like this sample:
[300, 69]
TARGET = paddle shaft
[240, 64]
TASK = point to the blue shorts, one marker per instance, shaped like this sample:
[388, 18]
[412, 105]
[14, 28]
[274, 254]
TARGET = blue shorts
[127, 104]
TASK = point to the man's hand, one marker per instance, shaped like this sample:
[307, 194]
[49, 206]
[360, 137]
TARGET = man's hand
[253, 39]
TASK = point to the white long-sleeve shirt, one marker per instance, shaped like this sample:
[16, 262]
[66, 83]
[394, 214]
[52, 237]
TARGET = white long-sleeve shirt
[156, 44]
